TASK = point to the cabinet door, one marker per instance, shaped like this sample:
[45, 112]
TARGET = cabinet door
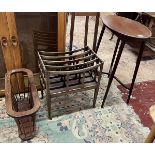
[14, 41]
[10, 53]
[17, 43]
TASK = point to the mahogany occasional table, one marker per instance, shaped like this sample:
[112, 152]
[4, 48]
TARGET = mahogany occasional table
[126, 30]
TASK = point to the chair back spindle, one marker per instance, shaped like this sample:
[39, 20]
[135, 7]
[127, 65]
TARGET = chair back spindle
[87, 16]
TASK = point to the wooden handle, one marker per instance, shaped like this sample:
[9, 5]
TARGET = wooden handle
[150, 138]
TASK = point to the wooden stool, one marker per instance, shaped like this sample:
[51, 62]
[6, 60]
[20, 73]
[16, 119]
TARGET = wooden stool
[126, 30]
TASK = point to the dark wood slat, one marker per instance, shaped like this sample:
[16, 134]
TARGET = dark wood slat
[60, 53]
[69, 61]
[72, 31]
[96, 31]
[74, 71]
[86, 31]
[64, 57]
[73, 67]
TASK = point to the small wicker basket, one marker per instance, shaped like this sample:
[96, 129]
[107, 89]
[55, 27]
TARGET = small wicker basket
[22, 101]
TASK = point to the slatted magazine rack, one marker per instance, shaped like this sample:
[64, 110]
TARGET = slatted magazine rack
[64, 73]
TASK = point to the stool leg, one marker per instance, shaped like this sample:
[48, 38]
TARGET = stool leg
[113, 71]
[48, 98]
[111, 36]
[136, 69]
[48, 95]
[95, 96]
[100, 38]
[42, 90]
[114, 55]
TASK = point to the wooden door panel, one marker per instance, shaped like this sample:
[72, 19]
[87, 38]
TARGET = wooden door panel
[4, 34]
[14, 39]
[61, 31]
[15, 49]
[11, 53]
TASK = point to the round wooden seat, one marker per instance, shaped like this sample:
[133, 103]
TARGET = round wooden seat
[126, 27]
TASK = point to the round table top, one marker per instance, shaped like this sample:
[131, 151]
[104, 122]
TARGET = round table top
[126, 27]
